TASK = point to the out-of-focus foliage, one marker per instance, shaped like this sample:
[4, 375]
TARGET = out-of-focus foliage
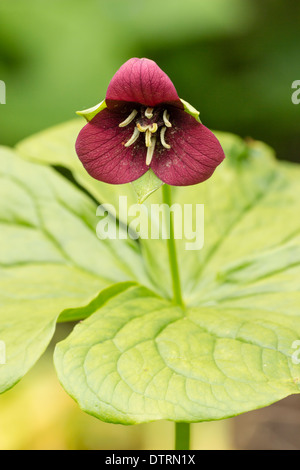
[235, 61]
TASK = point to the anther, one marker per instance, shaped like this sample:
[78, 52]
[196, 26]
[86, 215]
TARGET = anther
[166, 118]
[150, 151]
[162, 138]
[149, 113]
[129, 119]
[133, 138]
[141, 128]
[153, 128]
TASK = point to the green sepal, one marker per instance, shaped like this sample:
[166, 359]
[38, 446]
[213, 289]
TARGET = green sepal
[191, 110]
[89, 113]
[146, 185]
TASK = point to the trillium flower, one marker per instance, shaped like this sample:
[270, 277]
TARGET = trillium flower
[143, 124]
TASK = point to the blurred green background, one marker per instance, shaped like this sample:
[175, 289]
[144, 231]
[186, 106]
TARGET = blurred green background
[233, 60]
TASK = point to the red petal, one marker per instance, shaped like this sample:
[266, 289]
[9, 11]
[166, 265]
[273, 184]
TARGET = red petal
[141, 81]
[194, 154]
[100, 147]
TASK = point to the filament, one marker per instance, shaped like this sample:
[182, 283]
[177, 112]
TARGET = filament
[166, 119]
[133, 138]
[162, 138]
[149, 113]
[148, 138]
[150, 151]
[129, 119]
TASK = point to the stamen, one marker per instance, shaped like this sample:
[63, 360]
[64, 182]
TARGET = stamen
[150, 151]
[166, 119]
[162, 138]
[129, 119]
[133, 138]
[153, 128]
[141, 128]
[148, 138]
[149, 113]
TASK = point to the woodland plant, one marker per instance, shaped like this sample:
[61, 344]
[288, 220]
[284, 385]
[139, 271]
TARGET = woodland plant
[164, 332]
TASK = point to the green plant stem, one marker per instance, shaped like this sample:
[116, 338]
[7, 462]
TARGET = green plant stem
[182, 436]
[177, 297]
[182, 430]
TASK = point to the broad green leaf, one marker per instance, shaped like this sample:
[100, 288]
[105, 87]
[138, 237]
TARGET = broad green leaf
[236, 185]
[56, 146]
[78, 313]
[250, 207]
[241, 198]
[247, 271]
[140, 358]
[50, 258]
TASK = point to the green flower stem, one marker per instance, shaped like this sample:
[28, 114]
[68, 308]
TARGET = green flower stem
[182, 436]
[182, 430]
[177, 297]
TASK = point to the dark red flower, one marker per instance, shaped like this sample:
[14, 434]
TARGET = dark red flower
[144, 125]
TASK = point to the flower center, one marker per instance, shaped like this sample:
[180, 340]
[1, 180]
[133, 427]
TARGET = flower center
[149, 123]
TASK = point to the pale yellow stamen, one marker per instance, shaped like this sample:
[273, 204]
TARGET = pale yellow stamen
[149, 130]
[148, 138]
[129, 119]
[133, 138]
[162, 138]
[166, 119]
[153, 128]
[149, 113]
[150, 151]
[141, 128]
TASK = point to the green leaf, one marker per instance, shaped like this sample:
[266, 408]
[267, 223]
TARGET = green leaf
[56, 146]
[245, 190]
[140, 358]
[78, 313]
[50, 259]
[242, 287]
[236, 191]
